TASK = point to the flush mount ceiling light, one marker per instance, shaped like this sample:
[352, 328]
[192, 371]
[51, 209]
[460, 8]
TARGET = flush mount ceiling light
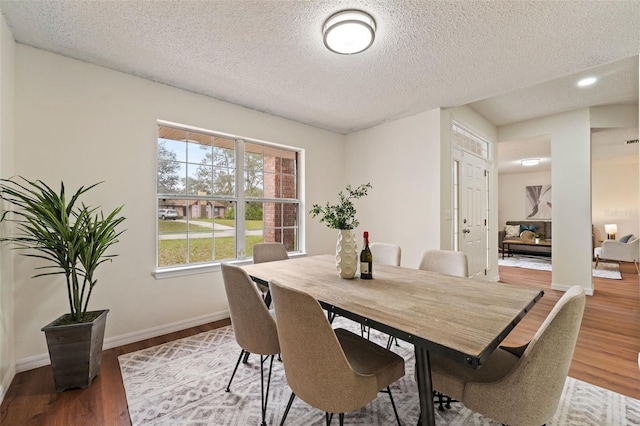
[349, 31]
[587, 81]
[530, 162]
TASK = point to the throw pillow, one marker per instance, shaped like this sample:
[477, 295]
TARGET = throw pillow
[527, 236]
[626, 238]
[531, 228]
[512, 231]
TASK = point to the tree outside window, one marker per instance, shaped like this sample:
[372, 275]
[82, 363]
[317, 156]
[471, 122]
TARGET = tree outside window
[197, 176]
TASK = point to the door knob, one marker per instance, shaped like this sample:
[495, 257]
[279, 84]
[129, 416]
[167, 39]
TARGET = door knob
[465, 231]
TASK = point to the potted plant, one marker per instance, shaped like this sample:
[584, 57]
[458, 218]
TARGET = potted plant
[72, 239]
[538, 236]
[342, 216]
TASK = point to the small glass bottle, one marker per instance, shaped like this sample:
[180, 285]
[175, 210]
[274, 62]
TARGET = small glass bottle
[366, 260]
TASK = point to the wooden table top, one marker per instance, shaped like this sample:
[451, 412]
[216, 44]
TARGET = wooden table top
[460, 318]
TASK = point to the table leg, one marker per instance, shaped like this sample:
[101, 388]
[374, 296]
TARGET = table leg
[425, 388]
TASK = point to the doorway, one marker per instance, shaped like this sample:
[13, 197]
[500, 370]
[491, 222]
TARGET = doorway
[473, 218]
[471, 165]
[615, 185]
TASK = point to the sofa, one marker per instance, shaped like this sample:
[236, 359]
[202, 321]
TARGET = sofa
[541, 227]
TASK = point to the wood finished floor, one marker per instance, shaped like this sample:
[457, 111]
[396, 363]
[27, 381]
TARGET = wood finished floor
[606, 355]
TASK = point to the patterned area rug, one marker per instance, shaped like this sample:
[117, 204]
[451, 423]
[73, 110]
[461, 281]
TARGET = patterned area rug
[183, 382]
[604, 270]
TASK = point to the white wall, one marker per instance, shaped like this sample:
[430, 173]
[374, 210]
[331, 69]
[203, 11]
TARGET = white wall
[511, 194]
[615, 187]
[82, 124]
[401, 159]
[571, 192]
[408, 162]
[611, 116]
[7, 75]
[615, 198]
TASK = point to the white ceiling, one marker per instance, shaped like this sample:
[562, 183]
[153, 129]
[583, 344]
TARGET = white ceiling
[511, 152]
[511, 60]
[608, 146]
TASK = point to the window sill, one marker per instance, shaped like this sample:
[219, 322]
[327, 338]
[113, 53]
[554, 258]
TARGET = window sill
[181, 271]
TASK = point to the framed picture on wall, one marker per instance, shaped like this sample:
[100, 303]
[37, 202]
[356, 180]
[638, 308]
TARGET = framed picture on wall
[538, 202]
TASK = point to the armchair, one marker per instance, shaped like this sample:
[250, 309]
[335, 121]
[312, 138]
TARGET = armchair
[617, 250]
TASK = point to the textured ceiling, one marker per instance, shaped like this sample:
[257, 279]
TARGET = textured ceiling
[511, 58]
[608, 146]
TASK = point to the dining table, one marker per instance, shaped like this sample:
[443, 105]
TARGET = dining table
[459, 318]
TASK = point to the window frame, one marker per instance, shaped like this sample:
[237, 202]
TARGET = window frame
[239, 198]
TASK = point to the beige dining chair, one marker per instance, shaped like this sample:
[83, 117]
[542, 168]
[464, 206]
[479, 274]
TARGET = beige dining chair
[445, 262]
[268, 252]
[523, 385]
[383, 254]
[386, 253]
[335, 371]
[253, 324]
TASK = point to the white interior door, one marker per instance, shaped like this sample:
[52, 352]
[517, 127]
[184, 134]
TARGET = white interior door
[473, 213]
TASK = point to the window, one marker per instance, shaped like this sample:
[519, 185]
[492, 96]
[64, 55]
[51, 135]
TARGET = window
[219, 195]
[468, 141]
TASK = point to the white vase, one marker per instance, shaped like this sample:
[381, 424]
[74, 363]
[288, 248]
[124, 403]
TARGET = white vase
[347, 253]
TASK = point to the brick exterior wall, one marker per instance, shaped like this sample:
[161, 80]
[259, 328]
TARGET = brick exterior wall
[281, 184]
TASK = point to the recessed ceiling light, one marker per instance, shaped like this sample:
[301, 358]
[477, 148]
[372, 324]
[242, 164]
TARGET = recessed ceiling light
[349, 31]
[530, 162]
[587, 81]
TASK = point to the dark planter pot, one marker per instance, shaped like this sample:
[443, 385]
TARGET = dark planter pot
[75, 351]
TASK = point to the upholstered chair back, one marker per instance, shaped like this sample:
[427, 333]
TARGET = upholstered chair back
[315, 365]
[253, 325]
[445, 262]
[530, 393]
[269, 252]
[386, 253]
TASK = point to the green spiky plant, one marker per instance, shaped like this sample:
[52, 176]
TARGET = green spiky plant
[343, 214]
[69, 235]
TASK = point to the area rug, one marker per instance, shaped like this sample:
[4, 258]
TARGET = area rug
[604, 270]
[183, 382]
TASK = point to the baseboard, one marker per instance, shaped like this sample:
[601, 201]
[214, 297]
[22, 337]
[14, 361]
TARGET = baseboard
[41, 360]
[495, 279]
[559, 287]
[6, 382]
[125, 339]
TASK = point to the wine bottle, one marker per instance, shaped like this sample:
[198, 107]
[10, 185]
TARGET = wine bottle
[366, 260]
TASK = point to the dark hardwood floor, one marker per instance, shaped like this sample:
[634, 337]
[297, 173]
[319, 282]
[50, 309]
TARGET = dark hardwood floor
[606, 355]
